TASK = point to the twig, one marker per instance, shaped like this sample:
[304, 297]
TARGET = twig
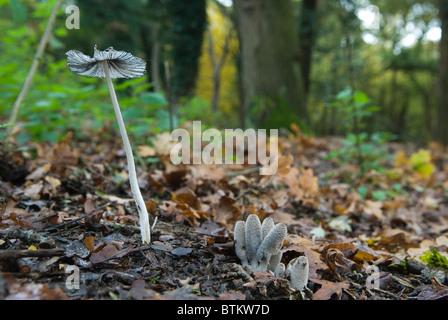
[62, 225]
[16, 254]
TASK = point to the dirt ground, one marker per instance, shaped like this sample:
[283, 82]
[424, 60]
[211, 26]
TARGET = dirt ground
[69, 228]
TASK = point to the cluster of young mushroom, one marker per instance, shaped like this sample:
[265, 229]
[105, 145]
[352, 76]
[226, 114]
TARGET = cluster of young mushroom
[258, 246]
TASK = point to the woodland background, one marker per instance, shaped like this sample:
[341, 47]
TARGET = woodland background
[251, 64]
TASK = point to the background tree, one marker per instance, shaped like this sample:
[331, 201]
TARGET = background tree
[271, 88]
[442, 125]
[188, 25]
[307, 33]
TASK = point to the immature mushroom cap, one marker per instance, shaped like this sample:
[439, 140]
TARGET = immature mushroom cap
[253, 238]
[297, 270]
[266, 226]
[271, 245]
[240, 242]
[280, 270]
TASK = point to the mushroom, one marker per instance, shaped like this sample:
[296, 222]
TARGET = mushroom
[270, 246]
[111, 64]
[297, 270]
[253, 238]
[240, 242]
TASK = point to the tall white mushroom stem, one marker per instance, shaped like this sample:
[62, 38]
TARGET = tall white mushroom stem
[145, 228]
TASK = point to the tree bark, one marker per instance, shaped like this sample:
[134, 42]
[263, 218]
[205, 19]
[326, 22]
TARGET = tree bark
[442, 125]
[307, 32]
[270, 73]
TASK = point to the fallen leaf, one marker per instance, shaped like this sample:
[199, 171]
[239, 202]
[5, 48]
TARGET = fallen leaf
[145, 151]
[109, 251]
[181, 251]
[227, 212]
[329, 290]
[89, 243]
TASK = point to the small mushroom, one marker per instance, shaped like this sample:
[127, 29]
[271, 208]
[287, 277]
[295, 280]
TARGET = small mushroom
[240, 242]
[297, 270]
[271, 245]
[274, 261]
[280, 270]
[266, 226]
[112, 64]
[253, 238]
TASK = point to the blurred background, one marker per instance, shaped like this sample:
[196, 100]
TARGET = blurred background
[372, 69]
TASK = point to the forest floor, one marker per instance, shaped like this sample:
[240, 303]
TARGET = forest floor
[69, 228]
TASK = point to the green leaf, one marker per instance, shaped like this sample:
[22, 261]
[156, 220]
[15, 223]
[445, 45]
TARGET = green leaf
[434, 259]
[154, 98]
[18, 10]
[362, 190]
[379, 195]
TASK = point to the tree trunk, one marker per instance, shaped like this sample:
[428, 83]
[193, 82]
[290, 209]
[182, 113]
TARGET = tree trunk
[442, 130]
[307, 32]
[269, 70]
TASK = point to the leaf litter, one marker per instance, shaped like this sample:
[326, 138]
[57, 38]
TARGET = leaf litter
[68, 205]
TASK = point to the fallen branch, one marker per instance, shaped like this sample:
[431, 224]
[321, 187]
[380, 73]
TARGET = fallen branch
[16, 254]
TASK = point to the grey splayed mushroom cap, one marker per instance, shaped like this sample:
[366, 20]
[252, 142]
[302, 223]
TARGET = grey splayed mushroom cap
[121, 64]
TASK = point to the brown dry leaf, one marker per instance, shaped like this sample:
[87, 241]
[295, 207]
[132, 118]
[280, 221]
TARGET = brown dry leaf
[140, 291]
[89, 205]
[207, 172]
[187, 198]
[175, 178]
[163, 145]
[89, 243]
[308, 182]
[394, 239]
[329, 290]
[39, 173]
[297, 246]
[283, 164]
[155, 183]
[338, 258]
[227, 212]
[63, 157]
[106, 252]
[34, 191]
[145, 151]
[182, 212]
[347, 248]
[373, 209]
[53, 184]
[23, 224]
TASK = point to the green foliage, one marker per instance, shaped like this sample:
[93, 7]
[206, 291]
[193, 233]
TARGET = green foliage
[361, 148]
[434, 259]
[59, 100]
